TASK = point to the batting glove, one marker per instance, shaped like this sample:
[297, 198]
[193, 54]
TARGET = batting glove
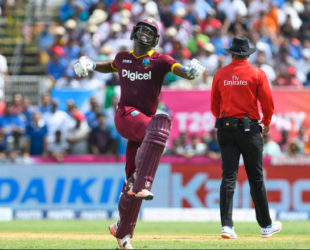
[83, 65]
[194, 69]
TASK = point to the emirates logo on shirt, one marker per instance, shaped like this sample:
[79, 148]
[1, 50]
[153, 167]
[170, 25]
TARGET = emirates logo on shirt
[235, 81]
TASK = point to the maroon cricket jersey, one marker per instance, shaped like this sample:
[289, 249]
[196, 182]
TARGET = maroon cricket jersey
[141, 78]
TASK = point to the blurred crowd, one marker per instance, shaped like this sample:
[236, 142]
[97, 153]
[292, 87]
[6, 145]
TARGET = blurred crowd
[289, 146]
[280, 30]
[47, 131]
[207, 145]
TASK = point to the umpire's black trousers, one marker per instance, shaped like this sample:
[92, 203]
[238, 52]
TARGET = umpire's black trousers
[250, 145]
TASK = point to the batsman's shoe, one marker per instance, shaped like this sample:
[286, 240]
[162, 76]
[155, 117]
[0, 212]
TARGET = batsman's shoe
[228, 233]
[113, 229]
[131, 193]
[124, 243]
[144, 194]
[275, 227]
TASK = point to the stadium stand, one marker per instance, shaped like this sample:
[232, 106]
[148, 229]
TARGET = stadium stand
[41, 40]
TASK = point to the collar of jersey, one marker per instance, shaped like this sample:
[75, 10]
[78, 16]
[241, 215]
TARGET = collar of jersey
[149, 53]
[237, 61]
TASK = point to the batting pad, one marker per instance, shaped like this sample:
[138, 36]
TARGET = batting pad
[128, 208]
[150, 151]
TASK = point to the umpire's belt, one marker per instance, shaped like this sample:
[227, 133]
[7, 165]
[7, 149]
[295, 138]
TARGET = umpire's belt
[231, 123]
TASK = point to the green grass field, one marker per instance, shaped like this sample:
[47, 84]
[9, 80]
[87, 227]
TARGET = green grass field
[152, 235]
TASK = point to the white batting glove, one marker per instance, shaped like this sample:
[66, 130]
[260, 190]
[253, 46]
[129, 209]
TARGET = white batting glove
[194, 69]
[83, 65]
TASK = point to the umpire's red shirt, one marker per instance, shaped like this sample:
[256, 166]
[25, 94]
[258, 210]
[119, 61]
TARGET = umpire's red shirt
[236, 89]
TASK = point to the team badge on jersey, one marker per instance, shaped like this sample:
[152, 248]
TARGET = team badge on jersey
[146, 62]
[135, 112]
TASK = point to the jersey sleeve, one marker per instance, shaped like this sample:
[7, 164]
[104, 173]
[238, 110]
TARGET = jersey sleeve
[265, 98]
[114, 63]
[169, 63]
[215, 97]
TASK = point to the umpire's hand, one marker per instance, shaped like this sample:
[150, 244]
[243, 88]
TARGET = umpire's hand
[265, 129]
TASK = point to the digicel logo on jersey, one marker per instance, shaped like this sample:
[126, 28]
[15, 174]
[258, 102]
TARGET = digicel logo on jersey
[132, 76]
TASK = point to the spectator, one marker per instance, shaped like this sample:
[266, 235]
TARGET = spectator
[210, 24]
[196, 147]
[293, 149]
[301, 139]
[91, 115]
[71, 107]
[57, 149]
[290, 79]
[269, 71]
[303, 67]
[28, 109]
[57, 66]
[67, 80]
[67, 10]
[271, 148]
[307, 144]
[213, 148]
[284, 140]
[46, 103]
[210, 60]
[119, 5]
[197, 40]
[232, 8]
[10, 123]
[16, 145]
[100, 139]
[17, 104]
[36, 133]
[3, 73]
[220, 41]
[183, 33]
[72, 49]
[3, 147]
[92, 82]
[44, 41]
[174, 148]
[57, 120]
[109, 21]
[77, 135]
[2, 107]
[183, 146]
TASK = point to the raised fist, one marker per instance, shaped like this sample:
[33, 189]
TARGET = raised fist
[194, 69]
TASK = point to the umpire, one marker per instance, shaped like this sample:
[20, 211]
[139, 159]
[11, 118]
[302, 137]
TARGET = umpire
[236, 88]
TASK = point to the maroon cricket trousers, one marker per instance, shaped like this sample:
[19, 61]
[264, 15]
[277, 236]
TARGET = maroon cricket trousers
[131, 124]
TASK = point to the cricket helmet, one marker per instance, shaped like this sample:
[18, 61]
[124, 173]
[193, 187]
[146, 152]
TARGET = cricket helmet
[146, 32]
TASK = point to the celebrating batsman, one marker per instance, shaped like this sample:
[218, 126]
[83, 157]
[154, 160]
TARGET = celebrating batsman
[141, 72]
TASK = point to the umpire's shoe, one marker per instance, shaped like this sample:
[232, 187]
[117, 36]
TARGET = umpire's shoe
[228, 233]
[275, 227]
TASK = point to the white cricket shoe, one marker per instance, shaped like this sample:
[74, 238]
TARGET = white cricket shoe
[145, 195]
[275, 227]
[124, 243]
[228, 233]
